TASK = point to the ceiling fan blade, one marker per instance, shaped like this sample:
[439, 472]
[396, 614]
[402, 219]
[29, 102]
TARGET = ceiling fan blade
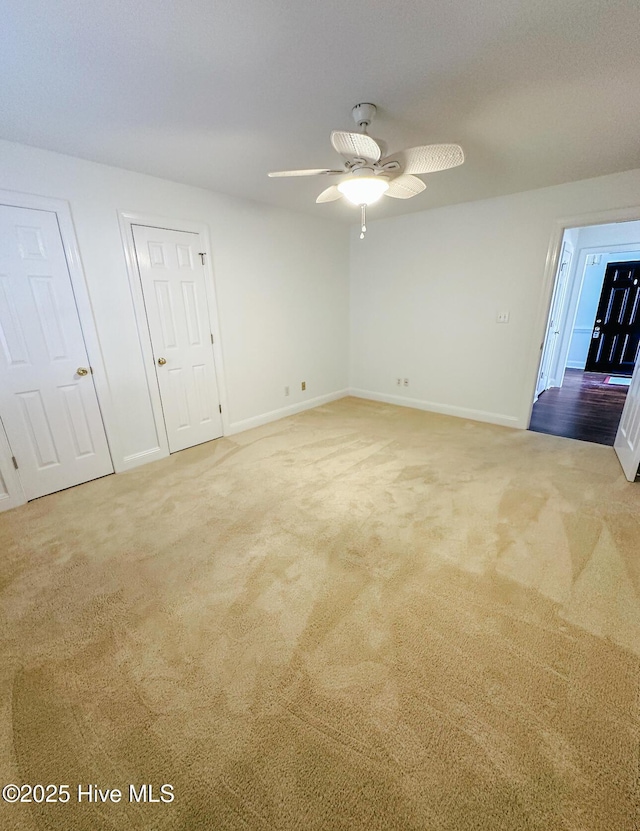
[383, 146]
[429, 158]
[355, 144]
[405, 186]
[329, 195]
[312, 172]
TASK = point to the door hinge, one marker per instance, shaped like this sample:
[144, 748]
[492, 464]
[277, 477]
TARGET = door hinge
[220, 407]
[202, 255]
[15, 463]
[211, 338]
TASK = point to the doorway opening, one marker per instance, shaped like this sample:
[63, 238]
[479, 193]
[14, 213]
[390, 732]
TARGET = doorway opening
[592, 339]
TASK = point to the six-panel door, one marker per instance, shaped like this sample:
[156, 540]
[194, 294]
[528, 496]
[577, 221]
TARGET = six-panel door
[175, 298]
[50, 411]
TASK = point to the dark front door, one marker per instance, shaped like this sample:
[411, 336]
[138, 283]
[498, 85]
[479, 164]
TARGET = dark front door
[615, 339]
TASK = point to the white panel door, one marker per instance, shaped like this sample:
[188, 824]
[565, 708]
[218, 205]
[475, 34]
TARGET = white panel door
[551, 374]
[175, 298]
[50, 411]
[627, 443]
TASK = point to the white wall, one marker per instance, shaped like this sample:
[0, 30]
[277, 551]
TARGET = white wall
[281, 283]
[426, 289]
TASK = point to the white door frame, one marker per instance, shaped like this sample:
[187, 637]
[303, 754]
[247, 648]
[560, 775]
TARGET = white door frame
[62, 209]
[127, 219]
[551, 267]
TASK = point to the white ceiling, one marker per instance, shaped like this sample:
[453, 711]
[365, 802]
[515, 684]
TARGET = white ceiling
[215, 93]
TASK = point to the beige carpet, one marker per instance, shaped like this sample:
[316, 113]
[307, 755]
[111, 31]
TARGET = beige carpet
[362, 617]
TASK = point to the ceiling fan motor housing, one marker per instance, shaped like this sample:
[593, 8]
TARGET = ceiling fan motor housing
[363, 114]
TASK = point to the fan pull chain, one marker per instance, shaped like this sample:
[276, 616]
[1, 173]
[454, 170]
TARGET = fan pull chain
[363, 210]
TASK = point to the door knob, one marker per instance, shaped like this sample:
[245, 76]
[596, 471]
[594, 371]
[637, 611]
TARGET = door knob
[82, 371]
[162, 361]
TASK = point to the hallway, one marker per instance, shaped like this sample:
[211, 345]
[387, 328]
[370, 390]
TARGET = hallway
[583, 408]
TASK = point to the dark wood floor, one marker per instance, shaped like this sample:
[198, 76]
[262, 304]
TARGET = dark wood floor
[584, 407]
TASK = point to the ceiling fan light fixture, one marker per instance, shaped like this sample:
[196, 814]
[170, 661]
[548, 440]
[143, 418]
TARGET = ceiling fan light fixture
[363, 190]
[364, 164]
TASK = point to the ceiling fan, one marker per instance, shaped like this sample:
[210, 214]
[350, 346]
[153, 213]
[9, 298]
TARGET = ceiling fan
[366, 175]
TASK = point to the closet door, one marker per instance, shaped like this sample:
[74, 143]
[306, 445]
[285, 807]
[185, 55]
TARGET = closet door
[48, 402]
[175, 299]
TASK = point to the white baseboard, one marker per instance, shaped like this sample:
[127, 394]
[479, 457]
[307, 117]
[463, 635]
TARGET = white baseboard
[575, 364]
[137, 459]
[434, 407]
[283, 412]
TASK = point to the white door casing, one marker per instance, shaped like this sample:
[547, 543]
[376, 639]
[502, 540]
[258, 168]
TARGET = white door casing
[627, 441]
[50, 412]
[175, 299]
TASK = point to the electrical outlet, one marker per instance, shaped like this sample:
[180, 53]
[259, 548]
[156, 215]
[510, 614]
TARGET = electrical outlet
[503, 317]
[303, 386]
[405, 383]
[286, 391]
[399, 382]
